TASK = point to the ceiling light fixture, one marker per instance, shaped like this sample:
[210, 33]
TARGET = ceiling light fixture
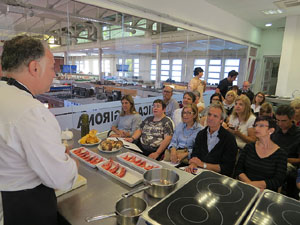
[272, 11]
[268, 24]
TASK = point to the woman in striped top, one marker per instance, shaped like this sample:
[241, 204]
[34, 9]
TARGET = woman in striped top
[263, 163]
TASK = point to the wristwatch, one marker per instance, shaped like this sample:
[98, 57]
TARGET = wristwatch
[204, 165]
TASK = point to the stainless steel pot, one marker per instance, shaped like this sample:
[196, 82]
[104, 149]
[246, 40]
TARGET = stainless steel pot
[127, 211]
[159, 183]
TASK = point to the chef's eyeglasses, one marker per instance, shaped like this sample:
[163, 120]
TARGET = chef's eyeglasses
[260, 125]
[187, 113]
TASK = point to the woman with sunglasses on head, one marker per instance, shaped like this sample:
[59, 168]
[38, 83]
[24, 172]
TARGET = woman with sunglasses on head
[183, 140]
[263, 164]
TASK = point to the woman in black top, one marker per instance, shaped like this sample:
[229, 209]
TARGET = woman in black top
[263, 164]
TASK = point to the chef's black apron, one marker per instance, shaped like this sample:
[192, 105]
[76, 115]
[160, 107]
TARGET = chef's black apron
[37, 206]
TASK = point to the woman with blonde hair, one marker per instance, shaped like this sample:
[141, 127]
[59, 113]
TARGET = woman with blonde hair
[296, 105]
[240, 122]
[128, 121]
[266, 109]
[229, 100]
[183, 139]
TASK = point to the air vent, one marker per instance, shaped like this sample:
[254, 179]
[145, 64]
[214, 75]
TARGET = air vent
[283, 4]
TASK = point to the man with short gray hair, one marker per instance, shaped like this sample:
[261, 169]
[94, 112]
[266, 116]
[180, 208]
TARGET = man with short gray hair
[33, 161]
[171, 103]
[215, 148]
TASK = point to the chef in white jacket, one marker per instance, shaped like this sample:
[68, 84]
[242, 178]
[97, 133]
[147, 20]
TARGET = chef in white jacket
[33, 161]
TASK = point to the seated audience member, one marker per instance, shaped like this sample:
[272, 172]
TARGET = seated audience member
[184, 136]
[200, 105]
[171, 103]
[296, 105]
[258, 100]
[287, 136]
[262, 163]
[155, 132]
[188, 98]
[236, 89]
[246, 90]
[215, 148]
[214, 98]
[128, 121]
[266, 109]
[240, 122]
[229, 102]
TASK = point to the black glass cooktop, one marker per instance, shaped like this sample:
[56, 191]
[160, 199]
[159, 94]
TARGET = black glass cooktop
[209, 198]
[275, 209]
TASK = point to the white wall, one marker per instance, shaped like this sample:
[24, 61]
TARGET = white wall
[271, 45]
[289, 70]
[195, 15]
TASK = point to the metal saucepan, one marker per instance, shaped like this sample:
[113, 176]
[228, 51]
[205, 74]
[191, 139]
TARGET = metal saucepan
[127, 211]
[159, 182]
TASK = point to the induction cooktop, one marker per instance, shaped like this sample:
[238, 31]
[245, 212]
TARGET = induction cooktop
[209, 198]
[275, 209]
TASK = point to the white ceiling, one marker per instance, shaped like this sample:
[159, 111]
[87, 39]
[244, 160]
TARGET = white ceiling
[251, 10]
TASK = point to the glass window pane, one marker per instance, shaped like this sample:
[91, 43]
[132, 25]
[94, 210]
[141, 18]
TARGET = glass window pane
[229, 68]
[177, 79]
[214, 75]
[215, 62]
[176, 67]
[177, 61]
[136, 70]
[120, 61]
[200, 62]
[234, 82]
[232, 62]
[176, 73]
[153, 77]
[153, 72]
[165, 67]
[153, 61]
[214, 68]
[153, 67]
[165, 72]
[165, 61]
[136, 60]
[164, 78]
[136, 65]
[213, 81]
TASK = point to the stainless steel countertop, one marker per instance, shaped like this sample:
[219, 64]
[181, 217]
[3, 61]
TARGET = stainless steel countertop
[101, 192]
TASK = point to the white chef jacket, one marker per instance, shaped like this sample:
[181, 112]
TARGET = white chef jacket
[31, 152]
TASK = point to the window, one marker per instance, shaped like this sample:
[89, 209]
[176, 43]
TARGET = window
[231, 64]
[153, 69]
[165, 69]
[120, 73]
[214, 71]
[176, 69]
[200, 63]
[106, 66]
[95, 69]
[136, 67]
[86, 68]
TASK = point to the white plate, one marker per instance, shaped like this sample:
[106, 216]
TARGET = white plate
[137, 157]
[131, 178]
[90, 153]
[112, 151]
[93, 143]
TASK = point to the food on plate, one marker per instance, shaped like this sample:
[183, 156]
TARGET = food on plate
[87, 156]
[109, 145]
[90, 138]
[114, 167]
[139, 162]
